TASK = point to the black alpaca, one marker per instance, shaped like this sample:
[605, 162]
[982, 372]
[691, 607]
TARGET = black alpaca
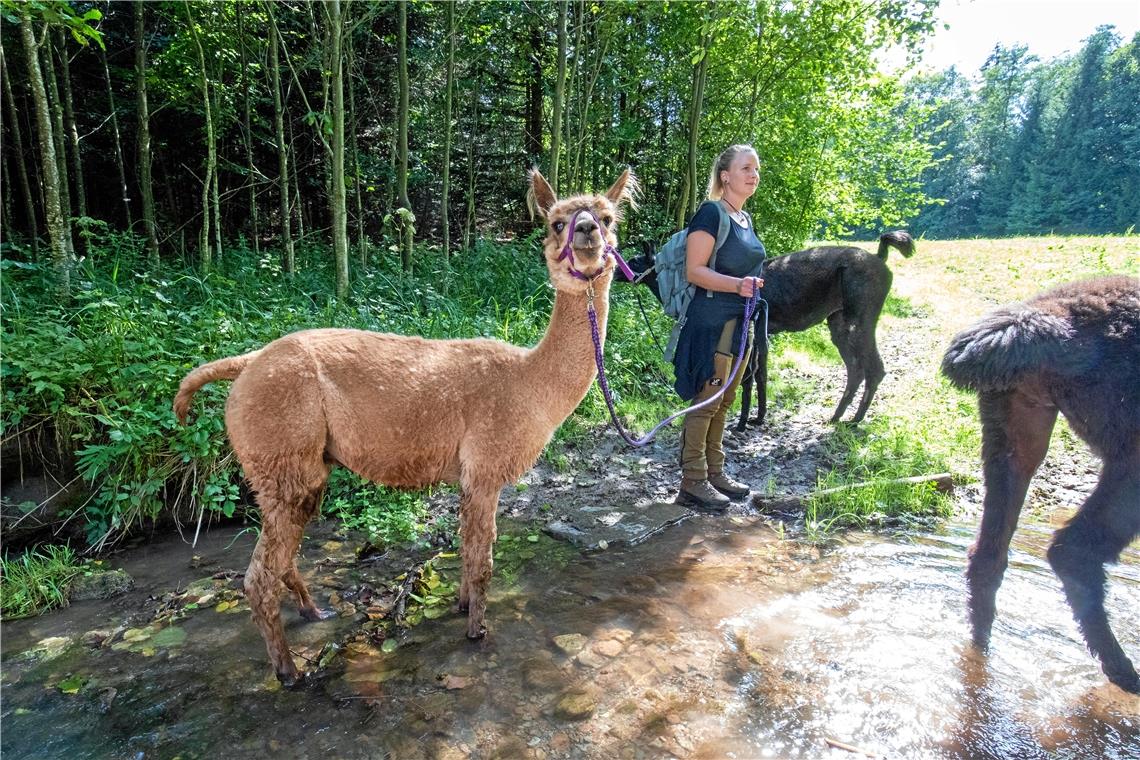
[1073, 349]
[846, 286]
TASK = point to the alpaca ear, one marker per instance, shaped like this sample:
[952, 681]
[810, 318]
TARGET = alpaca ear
[627, 187]
[540, 197]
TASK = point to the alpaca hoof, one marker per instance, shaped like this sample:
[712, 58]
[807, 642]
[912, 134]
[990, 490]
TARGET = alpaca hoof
[1127, 680]
[480, 634]
[292, 679]
[316, 614]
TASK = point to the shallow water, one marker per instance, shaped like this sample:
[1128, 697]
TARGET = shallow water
[717, 638]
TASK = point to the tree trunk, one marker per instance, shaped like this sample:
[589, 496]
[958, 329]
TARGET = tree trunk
[532, 137]
[288, 262]
[146, 186]
[357, 183]
[404, 219]
[57, 227]
[58, 135]
[444, 201]
[255, 233]
[695, 105]
[72, 132]
[204, 257]
[339, 205]
[559, 95]
[472, 152]
[119, 162]
[21, 166]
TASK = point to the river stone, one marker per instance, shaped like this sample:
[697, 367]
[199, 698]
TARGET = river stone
[577, 704]
[102, 585]
[541, 674]
[594, 526]
[570, 643]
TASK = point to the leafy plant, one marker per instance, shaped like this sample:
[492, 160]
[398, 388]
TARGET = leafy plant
[37, 581]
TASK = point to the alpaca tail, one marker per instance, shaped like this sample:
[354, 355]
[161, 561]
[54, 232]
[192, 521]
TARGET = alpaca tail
[998, 350]
[899, 239]
[222, 369]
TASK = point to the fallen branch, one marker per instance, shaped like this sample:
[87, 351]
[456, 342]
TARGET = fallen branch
[942, 481]
[847, 747]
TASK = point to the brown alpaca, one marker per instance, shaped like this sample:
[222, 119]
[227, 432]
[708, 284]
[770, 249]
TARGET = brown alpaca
[410, 412]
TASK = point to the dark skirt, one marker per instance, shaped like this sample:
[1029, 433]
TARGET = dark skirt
[706, 318]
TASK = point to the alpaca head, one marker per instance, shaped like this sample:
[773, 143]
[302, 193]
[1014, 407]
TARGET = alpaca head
[591, 232]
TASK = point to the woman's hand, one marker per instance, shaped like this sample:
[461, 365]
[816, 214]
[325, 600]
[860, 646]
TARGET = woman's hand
[747, 286]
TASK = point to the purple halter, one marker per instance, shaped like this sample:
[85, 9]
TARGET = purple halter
[608, 251]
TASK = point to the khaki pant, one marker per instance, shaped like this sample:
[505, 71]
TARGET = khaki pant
[702, 447]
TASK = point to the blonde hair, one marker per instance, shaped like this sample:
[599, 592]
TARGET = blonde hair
[722, 164]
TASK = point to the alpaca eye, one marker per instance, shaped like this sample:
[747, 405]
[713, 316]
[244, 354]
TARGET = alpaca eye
[559, 226]
[607, 220]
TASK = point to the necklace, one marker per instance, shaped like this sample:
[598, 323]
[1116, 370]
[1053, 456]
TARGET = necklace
[736, 214]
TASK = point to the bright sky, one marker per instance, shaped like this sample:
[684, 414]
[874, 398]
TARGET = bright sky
[1048, 27]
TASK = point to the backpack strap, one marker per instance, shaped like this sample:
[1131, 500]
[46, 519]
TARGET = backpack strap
[723, 227]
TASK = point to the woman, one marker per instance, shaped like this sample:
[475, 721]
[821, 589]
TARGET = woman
[710, 338]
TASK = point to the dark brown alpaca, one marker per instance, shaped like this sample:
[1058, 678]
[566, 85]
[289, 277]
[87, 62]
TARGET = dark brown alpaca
[844, 285]
[1073, 349]
[409, 412]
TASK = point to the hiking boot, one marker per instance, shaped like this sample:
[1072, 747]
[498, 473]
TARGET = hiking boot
[727, 486]
[700, 495]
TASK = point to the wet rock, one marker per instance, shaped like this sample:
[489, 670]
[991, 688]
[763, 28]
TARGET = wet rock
[96, 639]
[49, 648]
[577, 704]
[102, 585]
[541, 674]
[570, 643]
[591, 659]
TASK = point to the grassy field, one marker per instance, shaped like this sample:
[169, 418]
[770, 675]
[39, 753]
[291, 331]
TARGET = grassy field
[918, 423]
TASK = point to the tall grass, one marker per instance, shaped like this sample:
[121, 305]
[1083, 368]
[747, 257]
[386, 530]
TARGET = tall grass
[37, 581]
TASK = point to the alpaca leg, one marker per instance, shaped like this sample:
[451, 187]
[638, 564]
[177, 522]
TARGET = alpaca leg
[872, 365]
[477, 508]
[271, 562]
[842, 335]
[1015, 437]
[1106, 523]
[293, 580]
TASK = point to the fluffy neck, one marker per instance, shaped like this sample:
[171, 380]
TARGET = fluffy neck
[562, 365]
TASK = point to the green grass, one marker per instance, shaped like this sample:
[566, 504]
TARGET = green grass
[37, 581]
[386, 515]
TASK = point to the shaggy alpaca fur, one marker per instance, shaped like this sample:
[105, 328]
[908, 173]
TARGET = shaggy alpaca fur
[410, 412]
[846, 286]
[1073, 349]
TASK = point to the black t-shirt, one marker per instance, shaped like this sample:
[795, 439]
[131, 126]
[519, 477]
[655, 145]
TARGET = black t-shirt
[742, 251]
[741, 255]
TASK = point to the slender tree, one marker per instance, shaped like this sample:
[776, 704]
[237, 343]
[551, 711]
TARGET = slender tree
[559, 95]
[124, 193]
[339, 203]
[404, 212]
[21, 167]
[445, 195]
[288, 264]
[205, 261]
[56, 224]
[248, 133]
[71, 130]
[146, 186]
[59, 136]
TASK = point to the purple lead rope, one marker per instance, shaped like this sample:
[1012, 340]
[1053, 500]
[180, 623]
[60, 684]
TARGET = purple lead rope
[749, 308]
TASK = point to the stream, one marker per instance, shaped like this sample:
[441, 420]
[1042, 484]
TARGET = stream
[718, 638]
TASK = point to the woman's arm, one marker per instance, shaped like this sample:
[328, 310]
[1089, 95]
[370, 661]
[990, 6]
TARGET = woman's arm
[698, 250]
